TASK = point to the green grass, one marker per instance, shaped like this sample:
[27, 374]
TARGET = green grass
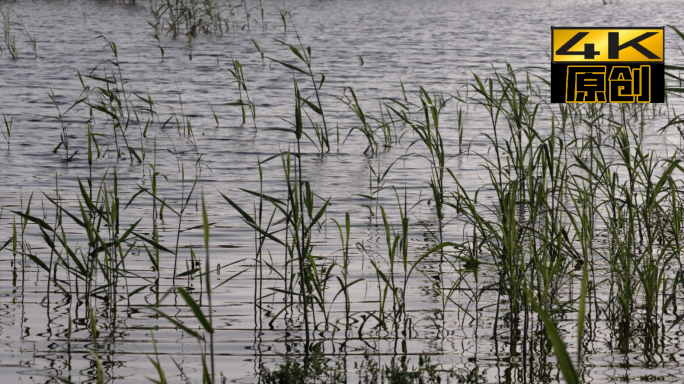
[575, 226]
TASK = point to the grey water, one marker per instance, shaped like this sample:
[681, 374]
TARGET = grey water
[370, 46]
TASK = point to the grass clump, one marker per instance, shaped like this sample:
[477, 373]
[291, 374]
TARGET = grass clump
[318, 368]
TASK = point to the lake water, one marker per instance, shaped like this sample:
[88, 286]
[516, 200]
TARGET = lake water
[437, 44]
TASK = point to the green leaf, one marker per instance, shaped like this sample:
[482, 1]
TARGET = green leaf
[288, 66]
[296, 52]
[153, 243]
[38, 261]
[267, 197]
[35, 220]
[196, 310]
[299, 127]
[189, 273]
[244, 214]
[313, 107]
[681, 35]
[152, 258]
[137, 290]
[180, 325]
[230, 278]
[559, 349]
[101, 79]
[128, 232]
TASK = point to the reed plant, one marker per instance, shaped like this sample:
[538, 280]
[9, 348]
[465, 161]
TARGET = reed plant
[9, 37]
[239, 78]
[300, 216]
[187, 17]
[32, 38]
[304, 55]
[365, 128]
[7, 135]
